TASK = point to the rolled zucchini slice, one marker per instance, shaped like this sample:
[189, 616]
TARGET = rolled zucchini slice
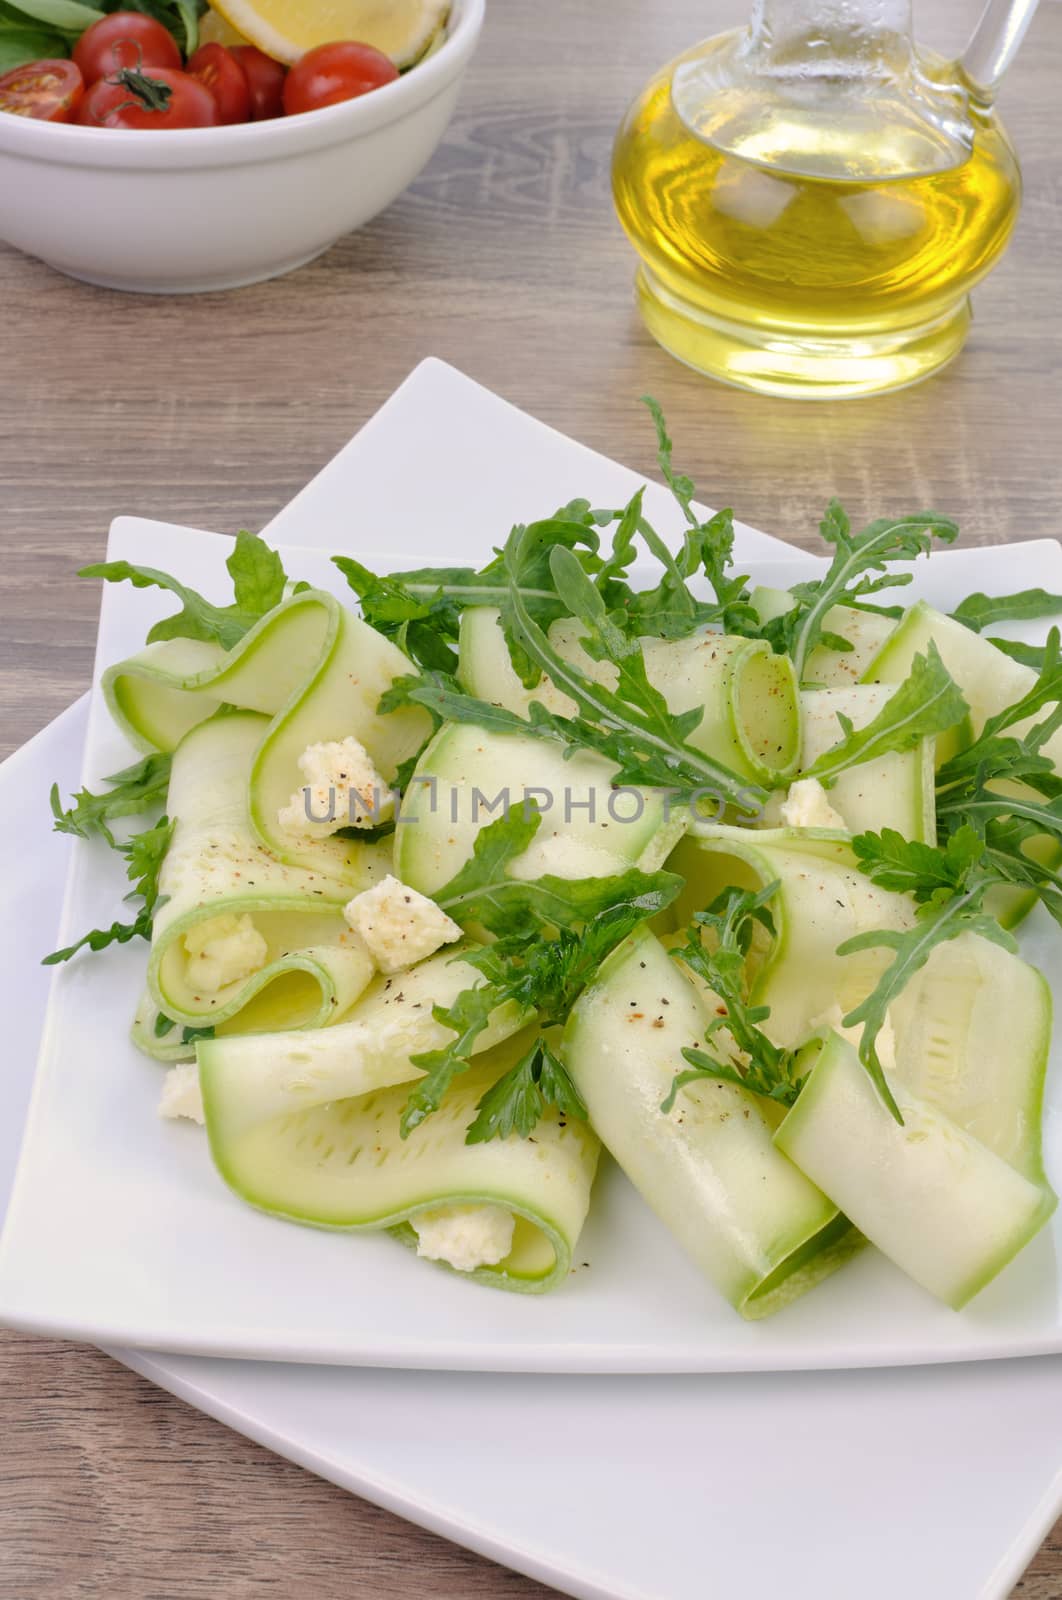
[825, 667]
[307, 967]
[757, 1228]
[990, 680]
[895, 791]
[949, 1211]
[747, 693]
[973, 1033]
[822, 900]
[322, 1147]
[467, 777]
[312, 668]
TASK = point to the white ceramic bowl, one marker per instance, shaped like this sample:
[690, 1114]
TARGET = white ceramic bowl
[212, 208]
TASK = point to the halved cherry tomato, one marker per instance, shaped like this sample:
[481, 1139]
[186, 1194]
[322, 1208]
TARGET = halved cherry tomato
[161, 99]
[125, 39]
[333, 72]
[49, 91]
[219, 70]
[265, 79]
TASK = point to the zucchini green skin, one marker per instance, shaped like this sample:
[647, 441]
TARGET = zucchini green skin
[439, 818]
[315, 969]
[313, 669]
[747, 693]
[946, 1209]
[754, 1225]
[822, 900]
[322, 1147]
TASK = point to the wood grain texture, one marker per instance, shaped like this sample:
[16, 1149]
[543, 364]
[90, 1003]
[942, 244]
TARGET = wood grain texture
[504, 259]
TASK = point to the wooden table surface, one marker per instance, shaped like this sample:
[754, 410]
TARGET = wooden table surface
[213, 411]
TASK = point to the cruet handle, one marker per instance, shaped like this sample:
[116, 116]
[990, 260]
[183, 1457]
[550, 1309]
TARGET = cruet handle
[994, 44]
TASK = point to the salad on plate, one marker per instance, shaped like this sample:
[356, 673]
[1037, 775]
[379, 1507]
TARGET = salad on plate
[446, 889]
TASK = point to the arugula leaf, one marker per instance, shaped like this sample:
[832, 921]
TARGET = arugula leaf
[928, 702]
[1030, 655]
[631, 724]
[519, 1099]
[164, 1025]
[707, 544]
[483, 892]
[258, 582]
[135, 789]
[468, 1015]
[257, 573]
[980, 611]
[849, 579]
[949, 884]
[100, 938]
[541, 972]
[144, 853]
[760, 1066]
[421, 608]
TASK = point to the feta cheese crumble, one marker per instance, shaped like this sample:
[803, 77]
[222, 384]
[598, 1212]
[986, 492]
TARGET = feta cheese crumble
[806, 806]
[223, 950]
[334, 772]
[399, 926]
[465, 1237]
[181, 1094]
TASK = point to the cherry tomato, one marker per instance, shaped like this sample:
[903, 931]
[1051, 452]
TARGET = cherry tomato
[49, 91]
[219, 70]
[265, 79]
[125, 39]
[161, 99]
[333, 72]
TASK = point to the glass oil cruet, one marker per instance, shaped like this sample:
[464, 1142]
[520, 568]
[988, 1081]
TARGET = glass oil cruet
[814, 196]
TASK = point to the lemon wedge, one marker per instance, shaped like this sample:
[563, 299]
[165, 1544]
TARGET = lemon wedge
[285, 29]
[213, 29]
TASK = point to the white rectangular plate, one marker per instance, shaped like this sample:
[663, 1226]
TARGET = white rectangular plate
[120, 1231]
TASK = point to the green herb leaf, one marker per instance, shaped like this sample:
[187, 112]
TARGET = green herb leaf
[259, 583]
[980, 611]
[257, 573]
[100, 938]
[519, 1099]
[144, 853]
[134, 790]
[67, 16]
[928, 702]
[467, 1016]
[756, 1064]
[542, 972]
[1030, 655]
[849, 578]
[631, 724]
[24, 40]
[482, 892]
[708, 545]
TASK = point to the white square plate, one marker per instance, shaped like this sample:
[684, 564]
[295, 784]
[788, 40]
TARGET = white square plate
[119, 1231]
[973, 1499]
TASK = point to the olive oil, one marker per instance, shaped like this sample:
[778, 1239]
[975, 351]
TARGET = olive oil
[830, 258]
